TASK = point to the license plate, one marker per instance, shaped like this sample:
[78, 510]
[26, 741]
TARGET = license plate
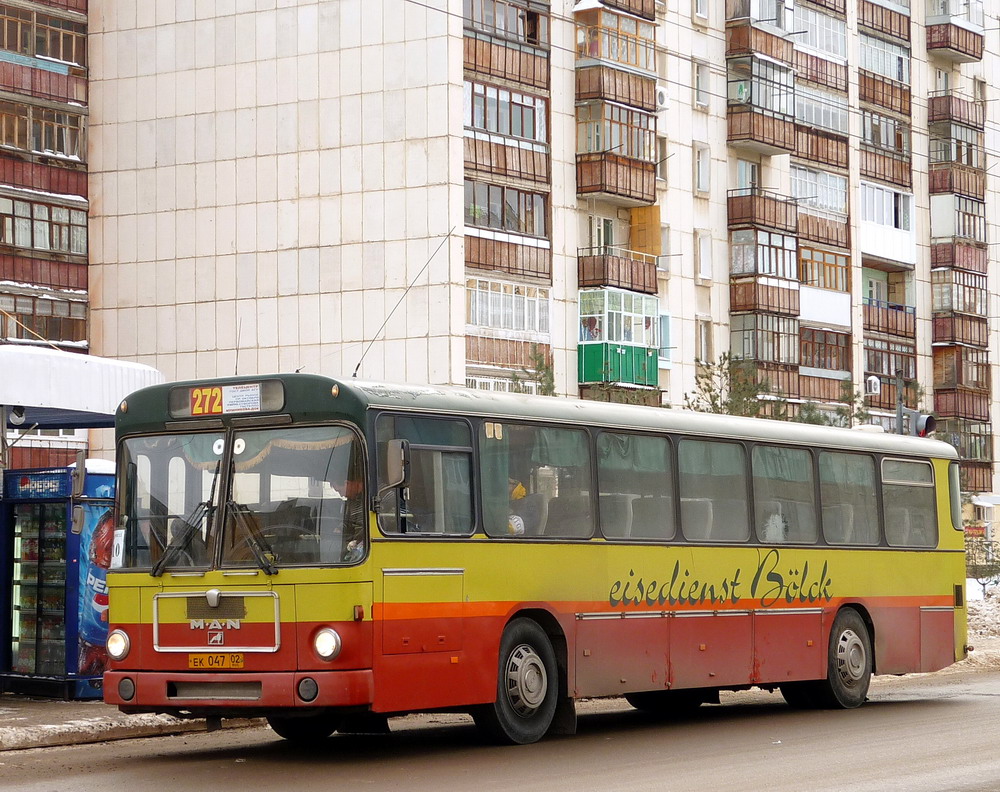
[212, 662]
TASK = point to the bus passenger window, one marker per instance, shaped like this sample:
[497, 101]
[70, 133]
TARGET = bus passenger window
[784, 496]
[713, 487]
[536, 480]
[847, 494]
[437, 499]
[635, 499]
[908, 496]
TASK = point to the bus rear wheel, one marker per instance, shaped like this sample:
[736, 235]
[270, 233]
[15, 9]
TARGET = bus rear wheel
[849, 669]
[527, 686]
[304, 729]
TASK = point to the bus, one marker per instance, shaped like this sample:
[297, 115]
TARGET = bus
[327, 553]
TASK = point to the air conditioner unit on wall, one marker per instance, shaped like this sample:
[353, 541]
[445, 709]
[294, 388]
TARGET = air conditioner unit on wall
[662, 97]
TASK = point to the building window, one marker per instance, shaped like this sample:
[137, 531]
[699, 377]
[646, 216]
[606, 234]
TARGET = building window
[31, 318]
[763, 84]
[820, 32]
[970, 11]
[501, 384]
[602, 127]
[763, 253]
[955, 290]
[615, 37]
[958, 144]
[662, 157]
[499, 305]
[703, 254]
[819, 189]
[617, 316]
[39, 226]
[885, 58]
[701, 10]
[888, 357]
[886, 207]
[703, 346]
[504, 209]
[665, 350]
[40, 35]
[825, 349]
[825, 269]
[970, 218]
[35, 129]
[508, 20]
[702, 84]
[822, 109]
[765, 338]
[702, 168]
[885, 133]
[505, 112]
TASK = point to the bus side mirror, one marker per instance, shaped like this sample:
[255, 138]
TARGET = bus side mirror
[397, 464]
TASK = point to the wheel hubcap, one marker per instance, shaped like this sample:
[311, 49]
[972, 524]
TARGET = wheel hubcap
[527, 682]
[851, 659]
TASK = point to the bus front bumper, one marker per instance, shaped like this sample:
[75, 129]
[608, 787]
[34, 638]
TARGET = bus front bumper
[237, 692]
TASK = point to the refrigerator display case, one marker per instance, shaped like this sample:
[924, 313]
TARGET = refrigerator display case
[56, 530]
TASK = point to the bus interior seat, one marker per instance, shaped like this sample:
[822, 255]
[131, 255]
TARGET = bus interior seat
[897, 525]
[569, 515]
[532, 510]
[838, 523]
[801, 518]
[653, 518]
[696, 518]
[616, 514]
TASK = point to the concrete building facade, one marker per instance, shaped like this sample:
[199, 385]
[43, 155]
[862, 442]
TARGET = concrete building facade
[609, 192]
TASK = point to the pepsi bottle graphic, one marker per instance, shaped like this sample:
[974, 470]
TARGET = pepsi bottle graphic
[94, 594]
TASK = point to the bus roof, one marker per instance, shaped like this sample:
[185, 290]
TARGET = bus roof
[355, 396]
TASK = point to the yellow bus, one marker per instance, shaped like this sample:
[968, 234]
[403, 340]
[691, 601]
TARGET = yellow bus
[327, 552]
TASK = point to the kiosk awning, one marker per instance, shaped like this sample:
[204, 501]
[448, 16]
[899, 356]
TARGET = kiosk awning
[64, 390]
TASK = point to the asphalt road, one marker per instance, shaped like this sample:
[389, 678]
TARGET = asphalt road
[931, 733]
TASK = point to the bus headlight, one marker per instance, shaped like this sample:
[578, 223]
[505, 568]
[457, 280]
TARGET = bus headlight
[327, 643]
[118, 644]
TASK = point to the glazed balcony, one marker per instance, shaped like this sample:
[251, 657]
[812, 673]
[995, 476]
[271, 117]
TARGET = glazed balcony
[823, 389]
[960, 254]
[954, 42]
[956, 328]
[956, 108]
[605, 83]
[959, 403]
[780, 378]
[617, 363]
[612, 177]
[884, 21]
[972, 439]
[761, 105]
[487, 56]
[961, 367]
[956, 177]
[881, 316]
[505, 352]
[763, 294]
[821, 71]
[759, 208]
[618, 267]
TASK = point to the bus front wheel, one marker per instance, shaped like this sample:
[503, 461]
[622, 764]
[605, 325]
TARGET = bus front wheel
[304, 728]
[527, 686]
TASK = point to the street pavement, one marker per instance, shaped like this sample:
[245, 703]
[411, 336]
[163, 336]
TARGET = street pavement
[28, 722]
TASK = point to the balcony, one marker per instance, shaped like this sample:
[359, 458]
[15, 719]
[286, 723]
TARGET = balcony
[878, 163]
[496, 57]
[889, 318]
[764, 294]
[885, 399]
[960, 254]
[486, 155]
[961, 367]
[821, 147]
[956, 177]
[972, 439]
[617, 267]
[884, 21]
[522, 260]
[883, 92]
[757, 129]
[823, 389]
[824, 227]
[642, 8]
[955, 108]
[743, 38]
[761, 105]
[505, 352]
[976, 476]
[617, 363]
[815, 69]
[604, 83]
[759, 208]
[780, 378]
[621, 180]
[954, 42]
[956, 328]
[961, 403]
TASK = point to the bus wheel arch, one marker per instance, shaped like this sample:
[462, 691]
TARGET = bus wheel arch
[529, 682]
[851, 660]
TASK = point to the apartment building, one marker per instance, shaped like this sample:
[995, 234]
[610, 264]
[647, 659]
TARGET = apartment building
[43, 193]
[487, 192]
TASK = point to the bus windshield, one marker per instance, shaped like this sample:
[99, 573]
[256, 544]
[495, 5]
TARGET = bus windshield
[264, 497]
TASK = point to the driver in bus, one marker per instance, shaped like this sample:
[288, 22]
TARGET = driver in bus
[355, 512]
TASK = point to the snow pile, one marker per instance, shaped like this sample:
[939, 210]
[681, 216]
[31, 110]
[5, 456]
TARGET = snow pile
[984, 616]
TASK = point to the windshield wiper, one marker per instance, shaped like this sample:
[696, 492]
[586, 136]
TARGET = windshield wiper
[178, 544]
[263, 553]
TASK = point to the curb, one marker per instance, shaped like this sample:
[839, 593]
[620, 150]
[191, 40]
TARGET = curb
[86, 732]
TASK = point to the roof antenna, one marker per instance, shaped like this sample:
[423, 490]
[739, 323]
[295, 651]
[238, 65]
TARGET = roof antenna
[403, 297]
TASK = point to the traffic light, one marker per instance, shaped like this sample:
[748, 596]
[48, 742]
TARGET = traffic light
[922, 425]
